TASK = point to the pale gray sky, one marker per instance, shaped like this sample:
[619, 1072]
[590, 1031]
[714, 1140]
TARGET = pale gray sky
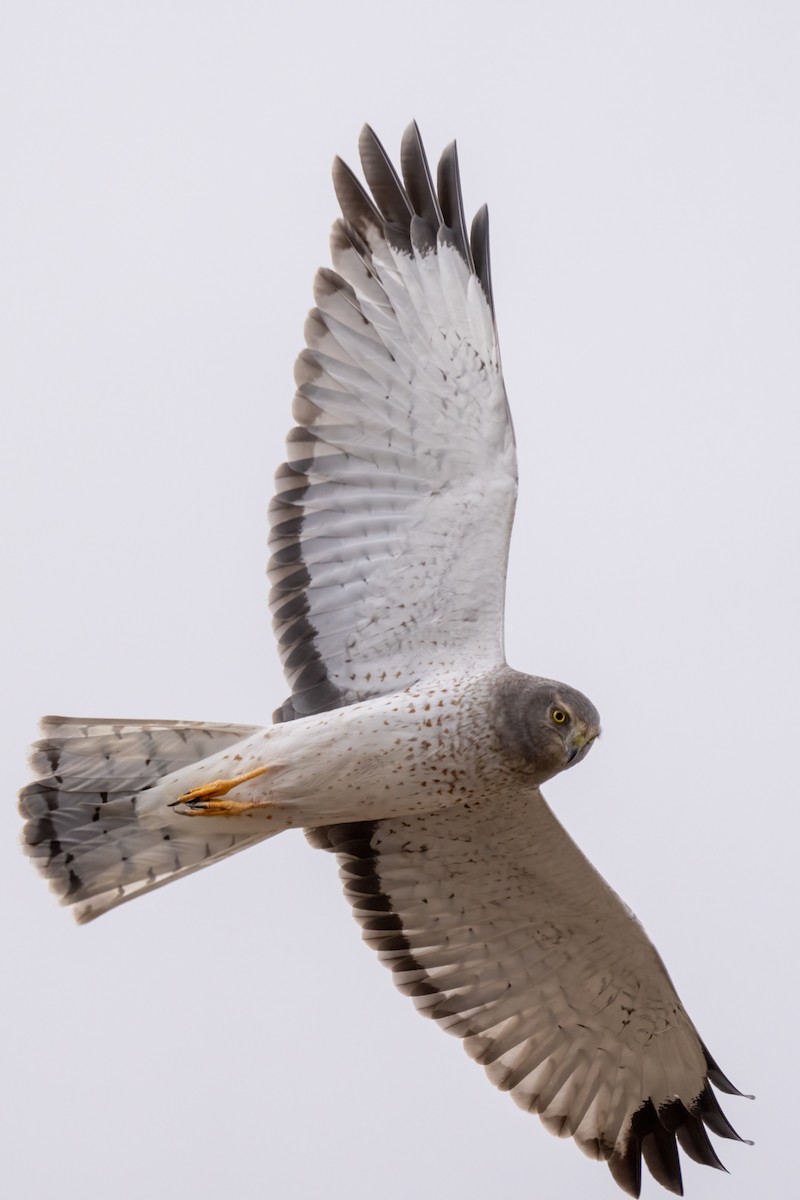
[166, 200]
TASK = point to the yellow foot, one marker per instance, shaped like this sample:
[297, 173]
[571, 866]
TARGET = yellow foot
[208, 800]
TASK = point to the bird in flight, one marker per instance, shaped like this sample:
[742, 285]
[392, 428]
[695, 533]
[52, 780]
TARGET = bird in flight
[408, 747]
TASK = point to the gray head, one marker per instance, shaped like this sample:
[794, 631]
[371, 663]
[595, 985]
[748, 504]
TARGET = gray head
[546, 724]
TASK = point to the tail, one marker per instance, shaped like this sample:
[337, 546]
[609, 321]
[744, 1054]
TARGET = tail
[90, 825]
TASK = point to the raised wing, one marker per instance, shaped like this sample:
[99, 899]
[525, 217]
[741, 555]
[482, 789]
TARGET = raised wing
[392, 515]
[499, 928]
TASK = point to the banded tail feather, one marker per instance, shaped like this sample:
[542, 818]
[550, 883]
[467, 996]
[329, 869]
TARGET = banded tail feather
[97, 821]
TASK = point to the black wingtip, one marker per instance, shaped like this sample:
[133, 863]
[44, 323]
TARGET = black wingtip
[387, 190]
[626, 1171]
[412, 213]
[651, 1137]
[418, 179]
[357, 208]
[707, 1108]
[660, 1153]
[451, 201]
[720, 1079]
[479, 241]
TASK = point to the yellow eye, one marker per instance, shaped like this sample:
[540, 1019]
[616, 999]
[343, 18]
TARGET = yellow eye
[559, 716]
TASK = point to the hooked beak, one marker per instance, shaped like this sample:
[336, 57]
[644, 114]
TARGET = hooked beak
[579, 745]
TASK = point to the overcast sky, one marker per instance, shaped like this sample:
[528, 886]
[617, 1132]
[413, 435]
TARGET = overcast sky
[167, 198]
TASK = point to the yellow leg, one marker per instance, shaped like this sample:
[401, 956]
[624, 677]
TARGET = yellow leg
[208, 800]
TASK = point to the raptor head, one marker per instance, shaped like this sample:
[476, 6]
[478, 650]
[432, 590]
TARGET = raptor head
[549, 725]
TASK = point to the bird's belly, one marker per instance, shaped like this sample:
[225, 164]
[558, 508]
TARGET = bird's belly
[402, 754]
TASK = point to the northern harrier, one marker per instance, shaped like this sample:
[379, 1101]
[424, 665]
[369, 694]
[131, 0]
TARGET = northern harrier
[408, 746]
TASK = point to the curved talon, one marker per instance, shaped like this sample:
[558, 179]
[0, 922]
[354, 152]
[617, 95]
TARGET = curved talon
[208, 800]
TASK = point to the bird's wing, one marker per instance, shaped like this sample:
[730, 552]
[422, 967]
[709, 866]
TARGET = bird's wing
[499, 928]
[392, 515]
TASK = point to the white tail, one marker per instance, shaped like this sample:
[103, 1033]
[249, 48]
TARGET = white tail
[92, 825]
